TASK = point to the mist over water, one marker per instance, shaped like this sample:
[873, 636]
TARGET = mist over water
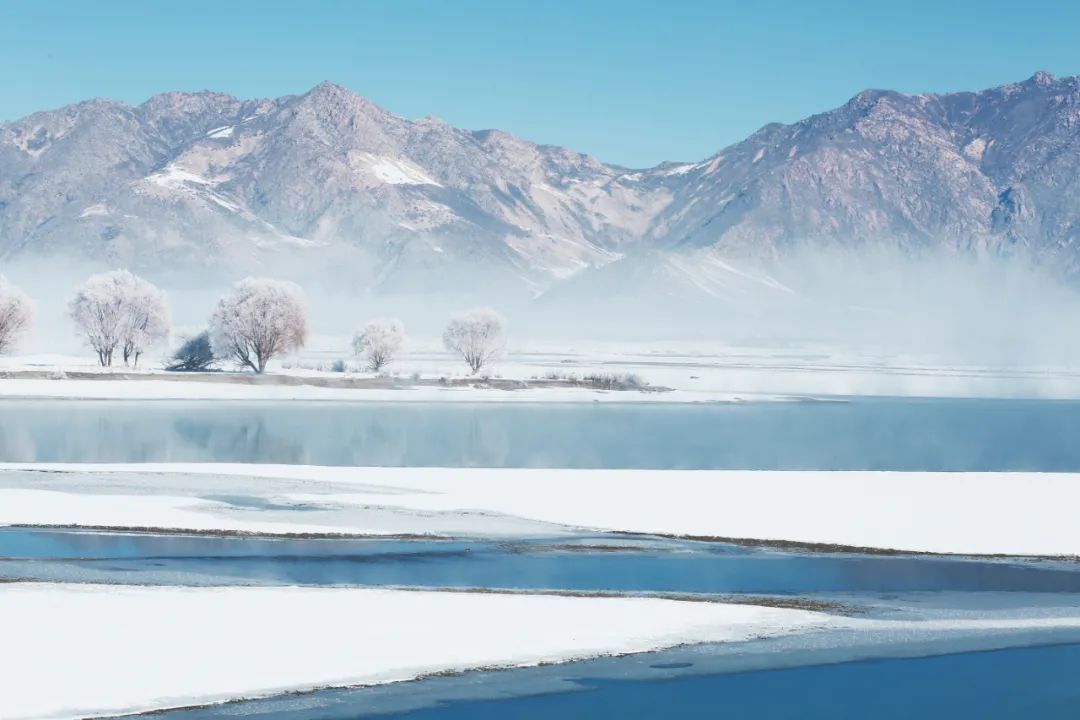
[954, 306]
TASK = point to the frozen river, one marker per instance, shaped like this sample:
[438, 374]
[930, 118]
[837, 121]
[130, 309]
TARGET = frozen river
[832, 674]
[821, 676]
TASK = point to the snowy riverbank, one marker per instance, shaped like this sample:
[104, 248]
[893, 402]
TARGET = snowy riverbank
[963, 513]
[231, 387]
[693, 371]
[75, 651]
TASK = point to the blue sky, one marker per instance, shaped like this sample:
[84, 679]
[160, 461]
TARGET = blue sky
[630, 81]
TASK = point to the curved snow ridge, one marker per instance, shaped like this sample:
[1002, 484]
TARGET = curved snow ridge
[76, 651]
[221, 133]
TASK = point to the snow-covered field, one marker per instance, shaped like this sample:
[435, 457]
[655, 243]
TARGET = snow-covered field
[696, 372]
[964, 513]
[73, 651]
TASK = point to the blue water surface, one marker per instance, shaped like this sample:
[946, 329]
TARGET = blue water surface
[1034, 683]
[1026, 683]
[604, 563]
[866, 433]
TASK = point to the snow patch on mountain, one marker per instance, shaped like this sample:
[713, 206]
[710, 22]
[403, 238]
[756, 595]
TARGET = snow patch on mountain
[174, 177]
[974, 150]
[97, 210]
[395, 171]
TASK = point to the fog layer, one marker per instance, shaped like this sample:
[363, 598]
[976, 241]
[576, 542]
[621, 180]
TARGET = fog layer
[962, 307]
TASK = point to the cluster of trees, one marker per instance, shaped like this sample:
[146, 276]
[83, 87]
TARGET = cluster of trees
[119, 310]
[259, 319]
[477, 336]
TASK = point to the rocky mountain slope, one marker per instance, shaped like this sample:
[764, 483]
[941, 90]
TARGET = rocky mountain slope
[327, 181]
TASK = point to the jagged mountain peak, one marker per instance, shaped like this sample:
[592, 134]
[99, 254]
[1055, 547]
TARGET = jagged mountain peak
[328, 87]
[331, 97]
[180, 100]
[187, 177]
[1042, 79]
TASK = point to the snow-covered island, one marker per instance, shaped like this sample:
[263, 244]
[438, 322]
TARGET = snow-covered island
[1009, 514]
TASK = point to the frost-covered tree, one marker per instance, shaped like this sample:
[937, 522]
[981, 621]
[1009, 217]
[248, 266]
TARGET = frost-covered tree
[258, 319]
[96, 310]
[120, 310]
[146, 321]
[16, 314]
[476, 335]
[379, 342]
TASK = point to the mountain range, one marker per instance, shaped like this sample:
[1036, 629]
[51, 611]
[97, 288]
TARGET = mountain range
[207, 185]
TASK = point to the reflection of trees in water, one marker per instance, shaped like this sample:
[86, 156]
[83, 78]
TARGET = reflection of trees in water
[403, 436]
[407, 435]
[318, 434]
[90, 432]
[372, 439]
[249, 438]
[302, 434]
[968, 435]
[487, 441]
[373, 435]
[16, 443]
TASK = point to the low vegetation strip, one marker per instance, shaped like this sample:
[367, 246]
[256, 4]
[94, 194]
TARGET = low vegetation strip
[612, 382]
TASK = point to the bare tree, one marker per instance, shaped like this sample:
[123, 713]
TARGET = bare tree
[258, 319]
[16, 314]
[380, 342]
[120, 310]
[476, 335]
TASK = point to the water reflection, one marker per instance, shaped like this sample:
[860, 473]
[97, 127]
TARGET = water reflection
[249, 437]
[875, 434]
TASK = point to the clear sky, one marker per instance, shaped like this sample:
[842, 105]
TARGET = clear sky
[630, 81]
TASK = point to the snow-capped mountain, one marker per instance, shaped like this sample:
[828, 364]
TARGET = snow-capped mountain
[208, 183]
[968, 170]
